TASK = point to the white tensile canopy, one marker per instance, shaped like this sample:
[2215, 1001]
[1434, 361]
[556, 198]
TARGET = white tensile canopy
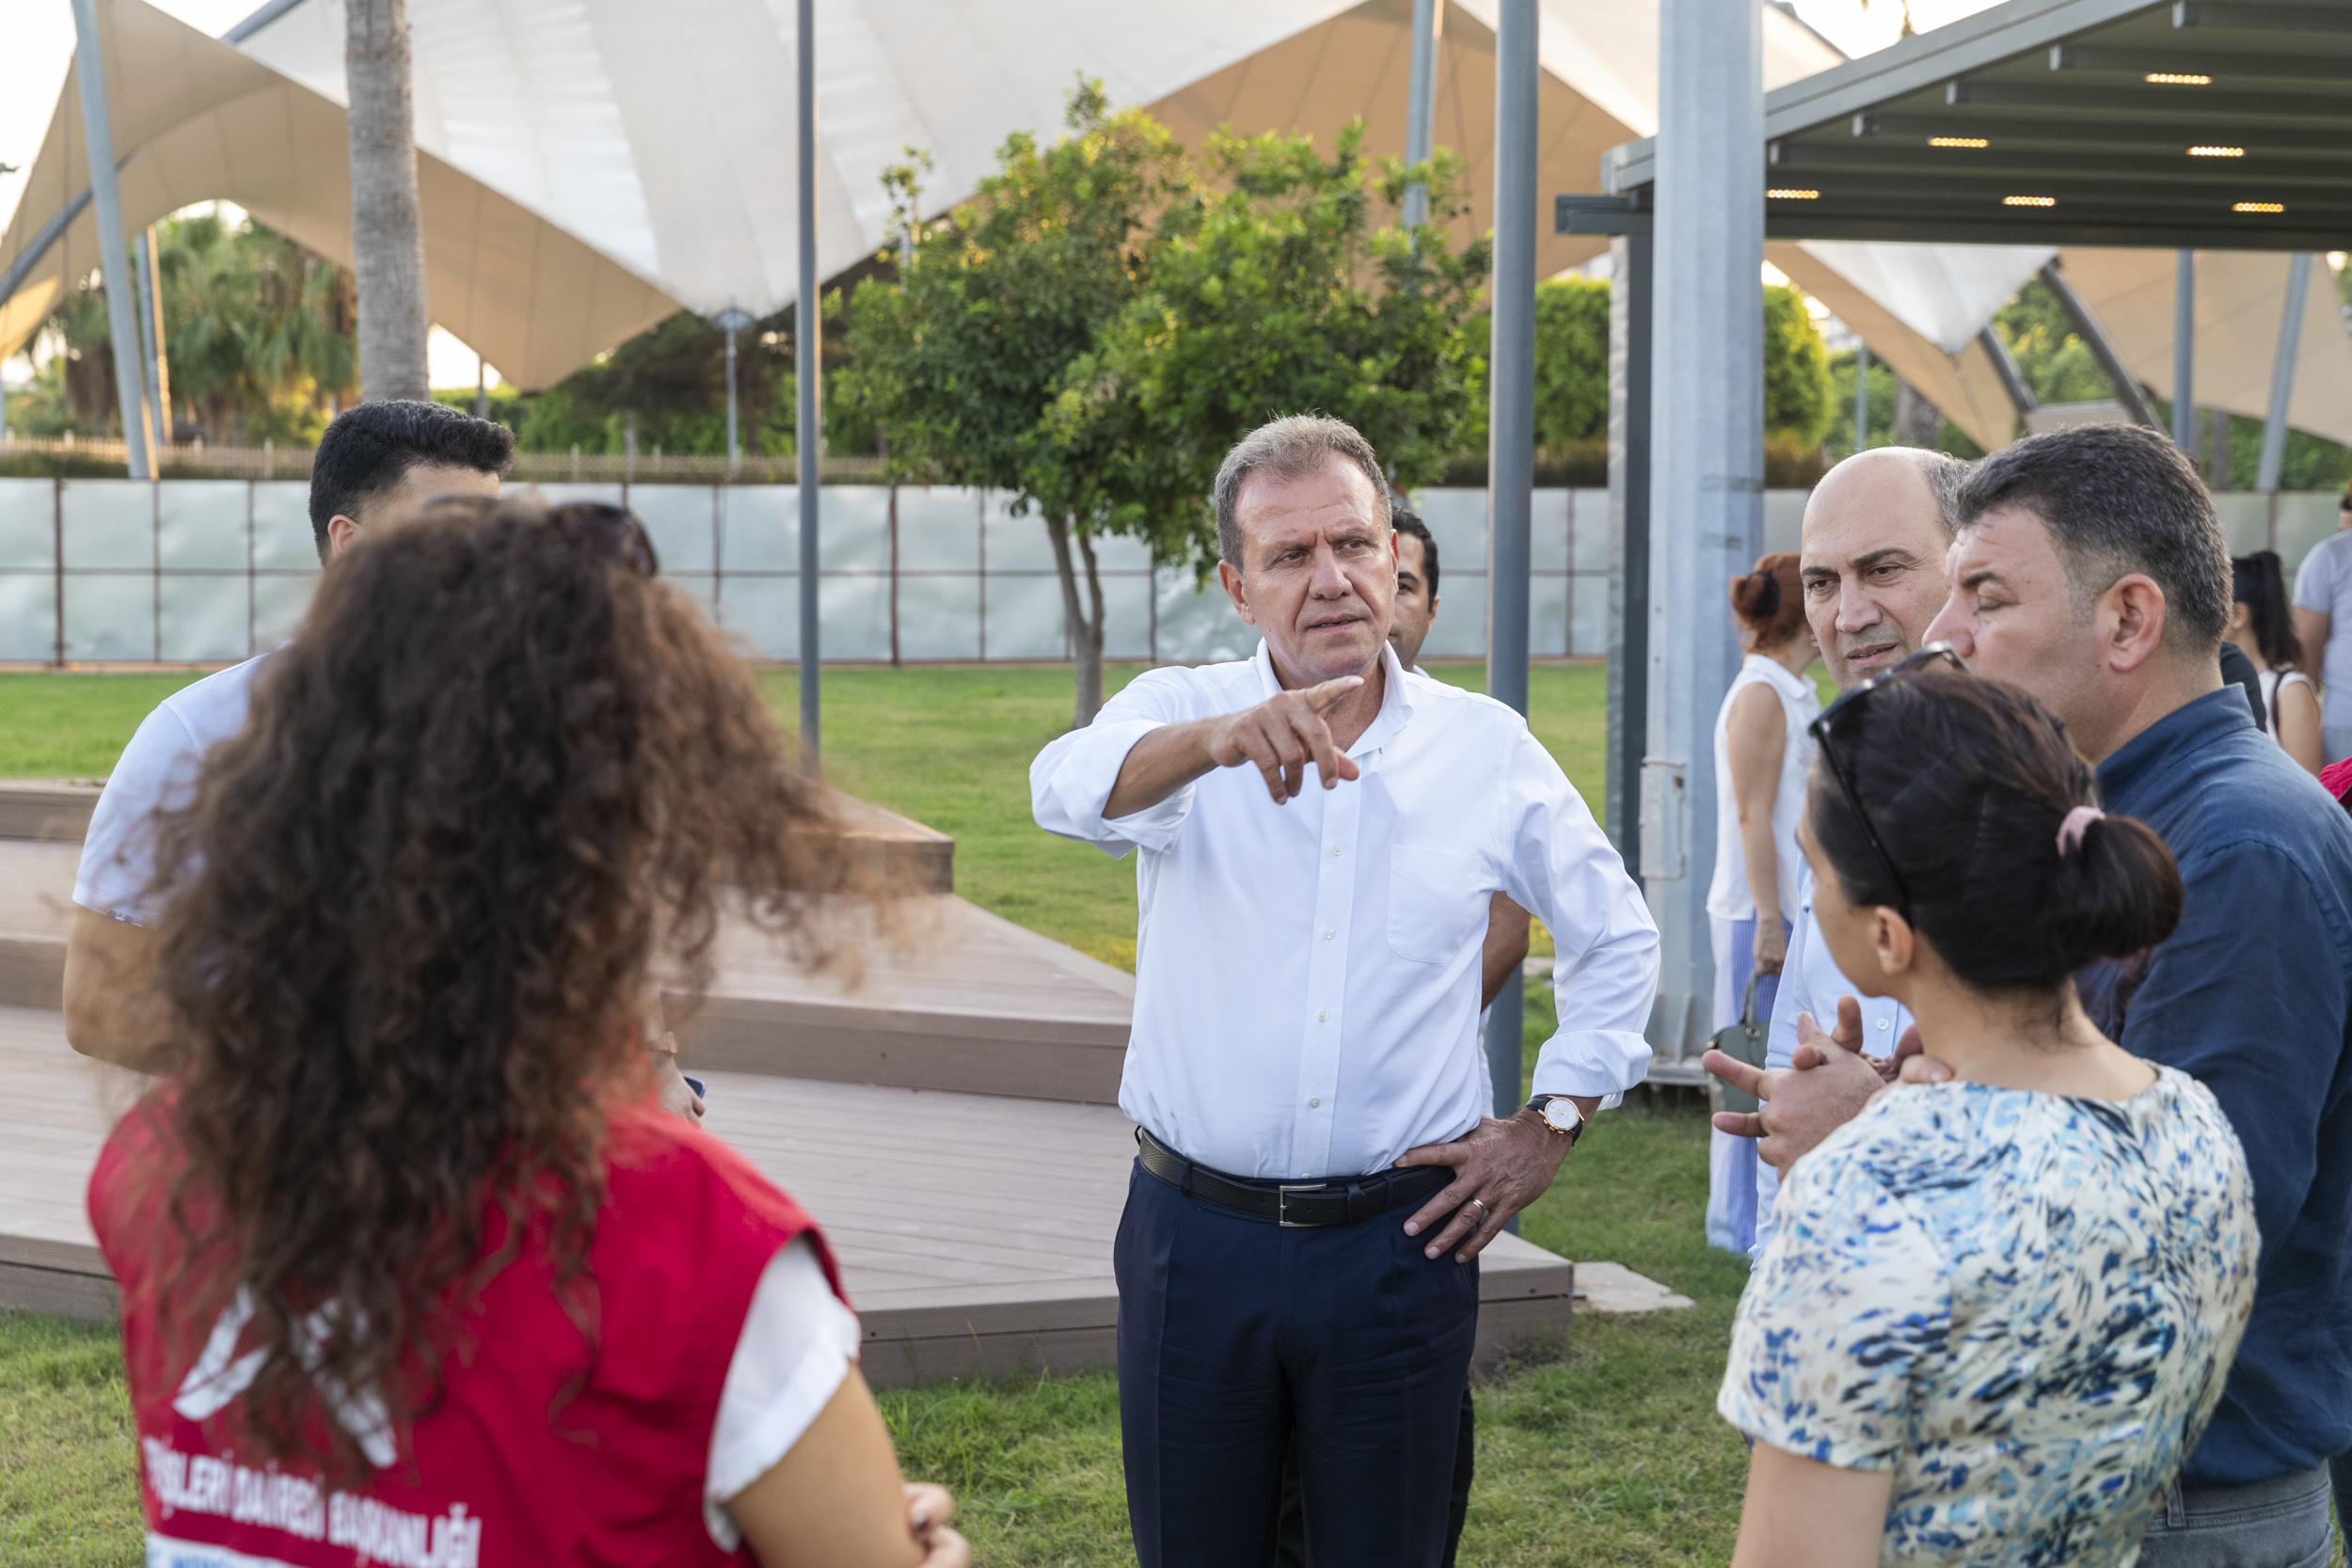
[588, 166]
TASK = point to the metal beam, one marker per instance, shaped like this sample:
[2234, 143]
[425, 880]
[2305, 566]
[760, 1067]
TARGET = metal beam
[2005, 366]
[1420, 108]
[1511, 432]
[2283, 372]
[39, 245]
[89, 70]
[2140, 230]
[2188, 105]
[808, 331]
[2086, 328]
[1706, 464]
[1628, 539]
[1850, 167]
[2153, 133]
[2317, 71]
[2227, 14]
[2184, 350]
[155, 378]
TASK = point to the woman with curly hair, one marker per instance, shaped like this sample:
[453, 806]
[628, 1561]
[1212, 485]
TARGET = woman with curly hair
[414, 1271]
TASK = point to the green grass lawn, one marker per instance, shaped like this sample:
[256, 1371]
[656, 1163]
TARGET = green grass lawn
[1605, 1451]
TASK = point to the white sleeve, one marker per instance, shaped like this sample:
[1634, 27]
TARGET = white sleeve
[798, 1343]
[1070, 781]
[1562, 868]
[156, 772]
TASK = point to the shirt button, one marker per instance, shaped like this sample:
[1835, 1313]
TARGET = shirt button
[1328, 935]
[1335, 849]
[1323, 1018]
[1314, 1104]
[1881, 1024]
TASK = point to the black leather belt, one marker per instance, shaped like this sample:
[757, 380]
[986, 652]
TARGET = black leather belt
[1294, 1204]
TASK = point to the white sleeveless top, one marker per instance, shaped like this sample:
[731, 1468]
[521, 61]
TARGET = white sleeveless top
[1727, 897]
[2272, 680]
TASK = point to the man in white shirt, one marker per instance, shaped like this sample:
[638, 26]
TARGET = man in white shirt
[375, 461]
[1876, 530]
[2323, 624]
[1305, 1066]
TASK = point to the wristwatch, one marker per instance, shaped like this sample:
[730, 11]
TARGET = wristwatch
[1560, 1114]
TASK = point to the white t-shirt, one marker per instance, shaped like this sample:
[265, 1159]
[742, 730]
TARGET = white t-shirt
[1728, 897]
[2273, 680]
[156, 772]
[2324, 583]
[798, 1344]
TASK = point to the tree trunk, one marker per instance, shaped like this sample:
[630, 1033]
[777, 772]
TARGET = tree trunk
[387, 233]
[1085, 637]
[1917, 421]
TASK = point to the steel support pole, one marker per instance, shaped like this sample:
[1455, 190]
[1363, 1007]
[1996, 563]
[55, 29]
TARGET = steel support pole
[2283, 372]
[1421, 109]
[152, 361]
[2184, 351]
[1706, 464]
[114, 257]
[807, 344]
[1629, 540]
[735, 453]
[1861, 394]
[1511, 434]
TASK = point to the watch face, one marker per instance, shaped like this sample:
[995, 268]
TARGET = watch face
[1561, 1115]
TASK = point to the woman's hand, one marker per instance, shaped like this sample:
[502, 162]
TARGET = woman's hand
[1771, 944]
[929, 1508]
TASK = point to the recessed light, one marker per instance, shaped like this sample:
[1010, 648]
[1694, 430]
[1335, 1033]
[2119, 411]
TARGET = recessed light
[2217, 152]
[2258, 207]
[1779, 194]
[2176, 79]
[1958, 141]
[2029, 202]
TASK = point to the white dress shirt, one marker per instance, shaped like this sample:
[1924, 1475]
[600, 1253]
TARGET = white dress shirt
[1307, 975]
[1811, 982]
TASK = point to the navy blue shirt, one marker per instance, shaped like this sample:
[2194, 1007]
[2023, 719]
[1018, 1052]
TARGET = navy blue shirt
[2252, 996]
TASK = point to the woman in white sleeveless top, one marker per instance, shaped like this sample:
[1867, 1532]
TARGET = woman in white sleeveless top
[1762, 755]
[2264, 628]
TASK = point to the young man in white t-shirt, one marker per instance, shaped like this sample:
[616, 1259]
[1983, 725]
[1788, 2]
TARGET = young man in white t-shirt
[374, 462]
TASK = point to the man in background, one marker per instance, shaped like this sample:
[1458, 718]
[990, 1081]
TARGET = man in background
[2323, 624]
[375, 461]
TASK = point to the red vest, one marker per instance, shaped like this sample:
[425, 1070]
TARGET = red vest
[490, 1478]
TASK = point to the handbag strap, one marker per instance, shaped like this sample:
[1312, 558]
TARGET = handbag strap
[1747, 1003]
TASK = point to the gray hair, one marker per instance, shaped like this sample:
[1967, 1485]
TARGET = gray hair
[1293, 448]
[1945, 475]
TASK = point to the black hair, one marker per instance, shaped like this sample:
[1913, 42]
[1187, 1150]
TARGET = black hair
[1968, 782]
[2259, 581]
[1403, 518]
[2118, 499]
[371, 447]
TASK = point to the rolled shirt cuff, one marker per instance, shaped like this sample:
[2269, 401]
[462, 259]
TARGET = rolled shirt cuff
[1591, 1062]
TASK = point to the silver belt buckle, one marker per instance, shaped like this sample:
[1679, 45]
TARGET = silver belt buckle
[1282, 1203]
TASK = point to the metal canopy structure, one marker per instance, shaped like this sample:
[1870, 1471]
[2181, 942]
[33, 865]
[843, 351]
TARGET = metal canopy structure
[2203, 124]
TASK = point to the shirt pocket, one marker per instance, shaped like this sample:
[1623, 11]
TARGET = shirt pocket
[1437, 903]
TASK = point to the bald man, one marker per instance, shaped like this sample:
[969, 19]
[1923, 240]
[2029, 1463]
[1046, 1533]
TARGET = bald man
[1876, 531]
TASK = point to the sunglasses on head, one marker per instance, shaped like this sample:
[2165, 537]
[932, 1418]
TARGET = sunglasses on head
[614, 531]
[1933, 653]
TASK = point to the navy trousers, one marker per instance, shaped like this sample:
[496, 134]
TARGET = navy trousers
[1236, 1334]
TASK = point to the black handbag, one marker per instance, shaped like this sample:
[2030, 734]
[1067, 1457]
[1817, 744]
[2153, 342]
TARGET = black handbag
[1744, 1042]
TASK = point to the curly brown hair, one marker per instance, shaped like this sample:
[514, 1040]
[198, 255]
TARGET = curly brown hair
[497, 788]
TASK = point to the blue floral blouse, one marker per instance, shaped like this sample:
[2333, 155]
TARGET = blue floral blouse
[2022, 1305]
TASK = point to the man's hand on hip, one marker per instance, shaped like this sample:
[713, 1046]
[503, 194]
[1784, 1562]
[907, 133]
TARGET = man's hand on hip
[1280, 737]
[1499, 1167]
[1827, 1083]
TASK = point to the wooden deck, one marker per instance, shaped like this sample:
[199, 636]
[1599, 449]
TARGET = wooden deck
[950, 1119]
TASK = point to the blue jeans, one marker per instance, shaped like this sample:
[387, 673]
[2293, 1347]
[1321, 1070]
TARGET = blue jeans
[2272, 1524]
[1731, 1161]
[1236, 1334]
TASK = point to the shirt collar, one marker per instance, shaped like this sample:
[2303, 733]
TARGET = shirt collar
[1396, 702]
[2192, 725]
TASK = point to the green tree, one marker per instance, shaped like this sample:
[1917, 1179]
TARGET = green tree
[1797, 384]
[957, 357]
[1571, 362]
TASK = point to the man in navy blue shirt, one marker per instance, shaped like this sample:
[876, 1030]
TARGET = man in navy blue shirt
[2090, 568]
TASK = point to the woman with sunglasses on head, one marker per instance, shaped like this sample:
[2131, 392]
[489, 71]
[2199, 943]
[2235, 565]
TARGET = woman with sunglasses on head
[413, 1268]
[1997, 1311]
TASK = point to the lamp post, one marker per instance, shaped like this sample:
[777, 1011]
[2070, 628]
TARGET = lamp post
[732, 320]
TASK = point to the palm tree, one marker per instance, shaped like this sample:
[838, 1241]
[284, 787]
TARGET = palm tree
[387, 234]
